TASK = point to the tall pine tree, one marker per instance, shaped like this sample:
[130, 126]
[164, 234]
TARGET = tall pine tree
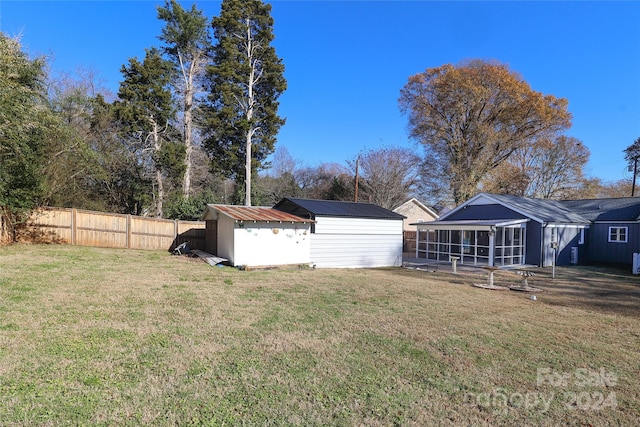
[244, 82]
[145, 111]
[186, 43]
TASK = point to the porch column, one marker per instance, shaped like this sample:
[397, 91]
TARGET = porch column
[492, 247]
[426, 243]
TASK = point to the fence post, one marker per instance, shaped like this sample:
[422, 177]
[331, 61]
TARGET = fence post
[128, 231]
[74, 225]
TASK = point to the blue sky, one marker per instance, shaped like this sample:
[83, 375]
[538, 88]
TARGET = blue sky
[346, 61]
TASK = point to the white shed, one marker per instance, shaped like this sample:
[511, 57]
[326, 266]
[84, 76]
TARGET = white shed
[257, 236]
[349, 234]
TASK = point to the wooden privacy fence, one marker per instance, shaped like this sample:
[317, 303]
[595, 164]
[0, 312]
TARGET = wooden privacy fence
[88, 228]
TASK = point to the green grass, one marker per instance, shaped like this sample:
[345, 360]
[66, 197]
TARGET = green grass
[96, 337]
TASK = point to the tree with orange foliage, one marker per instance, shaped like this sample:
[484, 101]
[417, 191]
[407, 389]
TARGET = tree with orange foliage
[472, 117]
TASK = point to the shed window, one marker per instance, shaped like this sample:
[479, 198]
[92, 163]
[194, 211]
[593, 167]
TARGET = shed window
[618, 234]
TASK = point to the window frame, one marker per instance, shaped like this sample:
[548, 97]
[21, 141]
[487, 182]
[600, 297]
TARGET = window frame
[614, 237]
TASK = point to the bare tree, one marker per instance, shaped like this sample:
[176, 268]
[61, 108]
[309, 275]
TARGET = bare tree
[387, 176]
[282, 162]
[328, 181]
[620, 188]
[547, 169]
[279, 181]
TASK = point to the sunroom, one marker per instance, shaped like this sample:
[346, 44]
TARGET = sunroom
[500, 242]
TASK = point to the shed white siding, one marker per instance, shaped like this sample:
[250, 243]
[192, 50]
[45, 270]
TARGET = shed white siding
[258, 236]
[265, 244]
[340, 242]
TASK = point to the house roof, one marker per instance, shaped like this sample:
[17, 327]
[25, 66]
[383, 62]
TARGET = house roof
[562, 211]
[549, 211]
[310, 208]
[540, 210]
[614, 209]
[252, 213]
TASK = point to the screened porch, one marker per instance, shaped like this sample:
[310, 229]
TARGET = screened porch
[491, 243]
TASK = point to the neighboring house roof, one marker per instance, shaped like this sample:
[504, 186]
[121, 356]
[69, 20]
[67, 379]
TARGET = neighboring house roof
[615, 209]
[416, 202]
[252, 213]
[311, 208]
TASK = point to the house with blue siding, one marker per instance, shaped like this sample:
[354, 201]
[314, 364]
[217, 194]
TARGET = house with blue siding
[505, 230]
[614, 234]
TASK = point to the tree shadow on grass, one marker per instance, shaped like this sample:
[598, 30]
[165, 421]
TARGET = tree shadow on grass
[605, 289]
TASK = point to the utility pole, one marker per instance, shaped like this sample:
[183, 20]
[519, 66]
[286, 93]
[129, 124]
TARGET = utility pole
[635, 171]
[356, 190]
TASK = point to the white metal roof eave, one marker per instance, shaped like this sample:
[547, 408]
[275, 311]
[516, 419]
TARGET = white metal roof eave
[269, 221]
[566, 225]
[615, 221]
[483, 225]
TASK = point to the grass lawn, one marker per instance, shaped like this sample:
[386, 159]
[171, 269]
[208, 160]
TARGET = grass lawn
[94, 337]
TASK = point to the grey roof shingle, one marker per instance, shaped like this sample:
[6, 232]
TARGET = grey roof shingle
[616, 209]
[550, 211]
[574, 211]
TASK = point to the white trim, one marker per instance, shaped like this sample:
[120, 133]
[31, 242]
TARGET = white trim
[581, 238]
[475, 224]
[568, 226]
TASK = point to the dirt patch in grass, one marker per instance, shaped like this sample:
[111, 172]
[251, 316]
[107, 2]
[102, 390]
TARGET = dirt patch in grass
[102, 337]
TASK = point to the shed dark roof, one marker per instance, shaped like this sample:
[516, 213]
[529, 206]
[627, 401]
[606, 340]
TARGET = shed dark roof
[616, 209]
[308, 208]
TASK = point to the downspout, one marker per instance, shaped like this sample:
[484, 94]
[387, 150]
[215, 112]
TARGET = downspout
[542, 245]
